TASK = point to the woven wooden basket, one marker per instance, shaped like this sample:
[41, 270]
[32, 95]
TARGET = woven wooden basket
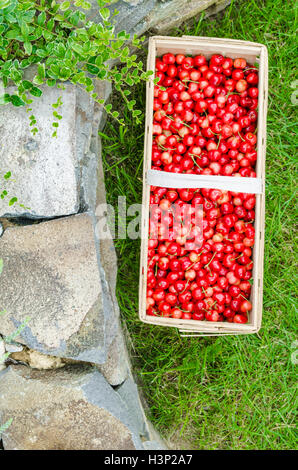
[255, 54]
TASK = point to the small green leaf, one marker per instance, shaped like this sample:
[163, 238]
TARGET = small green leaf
[12, 201]
[41, 71]
[64, 6]
[24, 29]
[28, 47]
[7, 175]
[16, 100]
[104, 13]
[27, 85]
[4, 3]
[51, 82]
[35, 91]
[4, 99]
[41, 19]
[41, 53]
[131, 104]
[5, 426]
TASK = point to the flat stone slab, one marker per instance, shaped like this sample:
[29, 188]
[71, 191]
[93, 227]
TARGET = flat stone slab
[73, 408]
[44, 169]
[52, 274]
[138, 16]
[51, 176]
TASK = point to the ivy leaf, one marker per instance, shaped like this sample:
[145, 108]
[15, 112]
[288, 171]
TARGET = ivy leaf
[24, 29]
[41, 71]
[28, 47]
[16, 100]
[4, 99]
[104, 13]
[41, 19]
[51, 82]
[12, 201]
[27, 85]
[14, 33]
[41, 53]
[35, 91]
[4, 3]
[64, 6]
[7, 175]
[131, 104]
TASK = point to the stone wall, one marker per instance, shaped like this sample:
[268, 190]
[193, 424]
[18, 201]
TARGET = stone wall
[69, 384]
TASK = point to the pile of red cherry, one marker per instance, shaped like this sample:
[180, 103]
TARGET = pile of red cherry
[204, 123]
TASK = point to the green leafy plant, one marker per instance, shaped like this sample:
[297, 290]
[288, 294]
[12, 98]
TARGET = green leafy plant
[4, 193]
[64, 45]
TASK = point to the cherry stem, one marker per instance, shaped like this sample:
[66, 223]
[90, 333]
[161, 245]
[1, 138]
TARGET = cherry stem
[207, 265]
[186, 125]
[241, 137]
[189, 267]
[186, 286]
[164, 148]
[193, 159]
[241, 295]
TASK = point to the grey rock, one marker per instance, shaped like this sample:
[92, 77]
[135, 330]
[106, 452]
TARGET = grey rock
[139, 16]
[2, 355]
[107, 249]
[155, 440]
[73, 408]
[90, 117]
[128, 391]
[43, 168]
[52, 273]
[154, 445]
[13, 347]
[117, 367]
[51, 177]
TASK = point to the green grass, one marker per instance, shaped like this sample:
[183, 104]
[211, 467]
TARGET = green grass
[225, 392]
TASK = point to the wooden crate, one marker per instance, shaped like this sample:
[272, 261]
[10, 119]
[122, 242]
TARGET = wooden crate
[255, 54]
